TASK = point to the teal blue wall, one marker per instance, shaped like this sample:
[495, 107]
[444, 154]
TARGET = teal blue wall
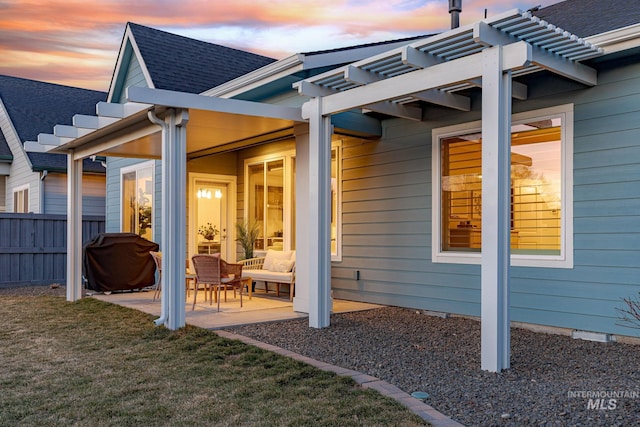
[387, 216]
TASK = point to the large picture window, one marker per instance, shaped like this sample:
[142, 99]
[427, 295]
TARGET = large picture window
[539, 196]
[137, 185]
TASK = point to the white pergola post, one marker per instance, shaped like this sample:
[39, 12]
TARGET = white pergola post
[74, 228]
[173, 217]
[303, 216]
[496, 232]
[316, 262]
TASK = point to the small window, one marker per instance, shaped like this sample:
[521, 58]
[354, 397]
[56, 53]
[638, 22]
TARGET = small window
[21, 199]
[137, 184]
[3, 193]
[540, 194]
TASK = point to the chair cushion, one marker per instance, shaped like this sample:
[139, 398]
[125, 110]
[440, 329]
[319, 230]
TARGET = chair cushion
[282, 265]
[272, 256]
[269, 276]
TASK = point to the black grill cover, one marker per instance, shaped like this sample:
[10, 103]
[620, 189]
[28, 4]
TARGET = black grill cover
[118, 262]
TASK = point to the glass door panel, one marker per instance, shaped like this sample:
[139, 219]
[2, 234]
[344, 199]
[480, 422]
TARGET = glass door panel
[275, 203]
[256, 201]
[211, 217]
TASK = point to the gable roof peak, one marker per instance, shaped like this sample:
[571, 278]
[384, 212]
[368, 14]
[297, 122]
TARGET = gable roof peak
[183, 64]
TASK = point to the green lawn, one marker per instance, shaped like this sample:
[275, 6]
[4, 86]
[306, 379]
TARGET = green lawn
[96, 364]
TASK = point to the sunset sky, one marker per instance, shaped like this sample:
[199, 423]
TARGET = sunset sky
[76, 42]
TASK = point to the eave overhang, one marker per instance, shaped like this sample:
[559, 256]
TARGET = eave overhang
[124, 130]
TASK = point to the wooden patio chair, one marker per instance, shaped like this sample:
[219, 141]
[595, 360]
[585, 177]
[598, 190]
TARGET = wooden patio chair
[216, 274]
[157, 258]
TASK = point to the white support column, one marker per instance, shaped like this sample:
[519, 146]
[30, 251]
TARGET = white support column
[318, 259]
[303, 216]
[74, 228]
[496, 233]
[173, 227]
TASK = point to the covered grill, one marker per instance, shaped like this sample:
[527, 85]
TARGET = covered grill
[119, 261]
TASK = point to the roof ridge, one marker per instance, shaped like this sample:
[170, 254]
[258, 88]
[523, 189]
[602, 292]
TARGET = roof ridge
[3, 76]
[363, 45]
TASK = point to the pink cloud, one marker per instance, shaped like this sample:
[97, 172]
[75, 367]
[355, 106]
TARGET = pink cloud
[76, 42]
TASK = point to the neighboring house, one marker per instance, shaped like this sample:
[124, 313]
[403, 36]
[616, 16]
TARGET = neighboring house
[36, 181]
[396, 166]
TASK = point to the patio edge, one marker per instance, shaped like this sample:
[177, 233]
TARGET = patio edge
[418, 407]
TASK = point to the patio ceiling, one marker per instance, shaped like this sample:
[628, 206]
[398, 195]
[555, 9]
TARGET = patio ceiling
[124, 130]
[551, 48]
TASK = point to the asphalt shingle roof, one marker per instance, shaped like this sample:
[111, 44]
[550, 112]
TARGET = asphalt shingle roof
[586, 18]
[5, 151]
[187, 65]
[36, 107]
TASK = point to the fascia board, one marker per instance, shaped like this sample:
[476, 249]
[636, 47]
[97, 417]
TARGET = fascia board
[259, 77]
[617, 40]
[128, 42]
[13, 139]
[143, 65]
[117, 69]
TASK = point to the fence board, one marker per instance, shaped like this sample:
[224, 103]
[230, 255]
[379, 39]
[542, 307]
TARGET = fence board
[33, 247]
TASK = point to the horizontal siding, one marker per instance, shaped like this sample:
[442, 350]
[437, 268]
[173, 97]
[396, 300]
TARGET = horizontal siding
[134, 77]
[606, 216]
[386, 209]
[93, 194]
[386, 214]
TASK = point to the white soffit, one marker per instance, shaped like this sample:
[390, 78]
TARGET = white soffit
[124, 130]
[508, 28]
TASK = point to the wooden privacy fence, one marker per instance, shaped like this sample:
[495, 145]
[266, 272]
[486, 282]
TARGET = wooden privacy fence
[33, 247]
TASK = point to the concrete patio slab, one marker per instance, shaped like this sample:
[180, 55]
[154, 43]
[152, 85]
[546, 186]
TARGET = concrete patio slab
[260, 309]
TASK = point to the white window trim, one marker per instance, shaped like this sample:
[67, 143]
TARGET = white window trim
[565, 259]
[288, 157]
[18, 189]
[337, 257]
[137, 167]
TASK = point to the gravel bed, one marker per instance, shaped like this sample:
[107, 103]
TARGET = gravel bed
[417, 352]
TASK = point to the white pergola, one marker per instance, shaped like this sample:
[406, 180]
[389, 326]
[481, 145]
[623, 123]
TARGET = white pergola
[170, 126]
[487, 55]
